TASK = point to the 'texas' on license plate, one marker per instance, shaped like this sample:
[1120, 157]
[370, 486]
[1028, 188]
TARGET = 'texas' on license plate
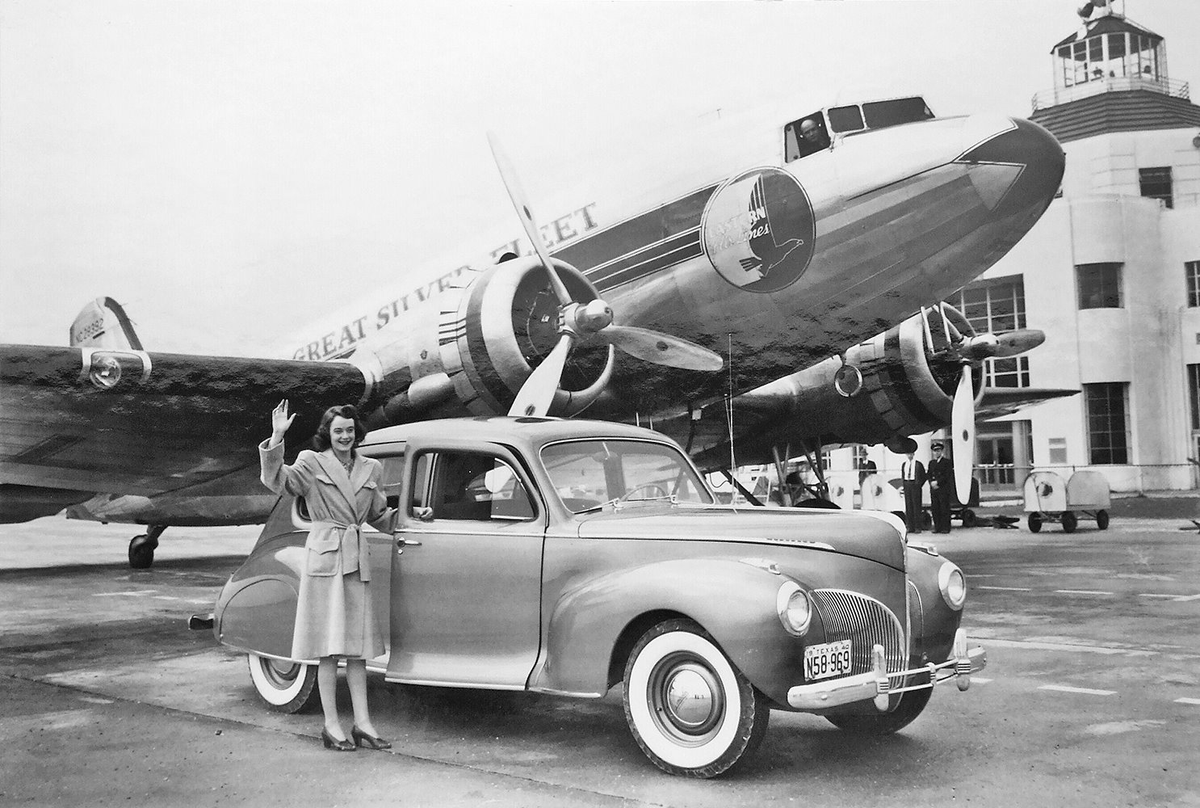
[827, 659]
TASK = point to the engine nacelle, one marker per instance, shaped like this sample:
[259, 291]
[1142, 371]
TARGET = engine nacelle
[903, 385]
[468, 350]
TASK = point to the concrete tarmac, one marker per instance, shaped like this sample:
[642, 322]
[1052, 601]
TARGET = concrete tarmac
[1091, 696]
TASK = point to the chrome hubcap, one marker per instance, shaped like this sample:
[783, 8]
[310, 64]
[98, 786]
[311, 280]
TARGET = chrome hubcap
[687, 698]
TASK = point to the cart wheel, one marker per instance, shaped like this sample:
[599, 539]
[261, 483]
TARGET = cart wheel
[1069, 522]
[1035, 522]
[1102, 520]
[926, 520]
[968, 518]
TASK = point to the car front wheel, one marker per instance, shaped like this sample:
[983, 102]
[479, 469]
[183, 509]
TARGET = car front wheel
[286, 687]
[688, 708]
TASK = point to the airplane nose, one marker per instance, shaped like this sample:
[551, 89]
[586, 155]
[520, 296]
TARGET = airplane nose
[1035, 155]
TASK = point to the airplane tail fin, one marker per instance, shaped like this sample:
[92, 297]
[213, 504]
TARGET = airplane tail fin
[102, 323]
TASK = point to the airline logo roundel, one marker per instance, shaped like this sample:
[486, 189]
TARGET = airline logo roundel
[758, 230]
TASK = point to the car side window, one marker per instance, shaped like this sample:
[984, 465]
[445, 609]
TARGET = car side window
[393, 476]
[472, 486]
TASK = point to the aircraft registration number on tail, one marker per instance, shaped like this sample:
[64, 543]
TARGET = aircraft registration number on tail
[827, 659]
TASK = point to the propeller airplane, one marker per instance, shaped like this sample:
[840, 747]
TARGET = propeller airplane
[717, 307]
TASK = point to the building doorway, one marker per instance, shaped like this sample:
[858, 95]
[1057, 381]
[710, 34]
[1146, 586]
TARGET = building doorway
[1002, 455]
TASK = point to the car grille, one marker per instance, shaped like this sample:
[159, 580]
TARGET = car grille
[867, 623]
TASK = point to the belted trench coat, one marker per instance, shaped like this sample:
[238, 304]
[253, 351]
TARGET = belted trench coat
[334, 613]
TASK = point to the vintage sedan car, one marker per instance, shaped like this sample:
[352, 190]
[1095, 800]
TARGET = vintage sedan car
[569, 556]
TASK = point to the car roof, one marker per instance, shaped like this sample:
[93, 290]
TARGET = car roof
[531, 432]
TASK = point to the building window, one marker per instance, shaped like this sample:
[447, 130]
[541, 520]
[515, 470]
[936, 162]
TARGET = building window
[1099, 286]
[1107, 423]
[997, 305]
[860, 456]
[1156, 184]
[1058, 451]
[1192, 271]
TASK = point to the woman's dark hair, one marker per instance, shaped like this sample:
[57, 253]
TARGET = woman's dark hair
[321, 440]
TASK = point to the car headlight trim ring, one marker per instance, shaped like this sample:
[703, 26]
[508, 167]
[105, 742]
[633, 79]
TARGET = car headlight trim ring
[953, 585]
[794, 608]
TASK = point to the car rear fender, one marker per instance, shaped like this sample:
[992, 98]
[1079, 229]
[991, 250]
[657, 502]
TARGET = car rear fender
[594, 623]
[256, 610]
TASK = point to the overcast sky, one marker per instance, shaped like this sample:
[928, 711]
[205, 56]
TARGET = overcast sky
[227, 169]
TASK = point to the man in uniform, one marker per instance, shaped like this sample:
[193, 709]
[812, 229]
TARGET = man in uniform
[941, 488]
[912, 473]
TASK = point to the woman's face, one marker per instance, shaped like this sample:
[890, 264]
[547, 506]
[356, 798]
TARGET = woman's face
[341, 434]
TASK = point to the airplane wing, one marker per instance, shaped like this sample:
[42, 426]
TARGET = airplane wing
[899, 383]
[76, 421]
[998, 401]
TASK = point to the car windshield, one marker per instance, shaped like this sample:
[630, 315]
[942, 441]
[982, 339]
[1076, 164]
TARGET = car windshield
[588, 473]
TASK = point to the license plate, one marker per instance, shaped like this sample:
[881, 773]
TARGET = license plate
[827, 659]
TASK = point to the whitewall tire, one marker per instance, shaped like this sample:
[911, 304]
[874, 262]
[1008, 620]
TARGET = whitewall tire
[286, 687]
[688, 708]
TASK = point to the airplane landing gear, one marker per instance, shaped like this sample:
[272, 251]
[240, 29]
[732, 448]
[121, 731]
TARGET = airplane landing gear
[141, 548]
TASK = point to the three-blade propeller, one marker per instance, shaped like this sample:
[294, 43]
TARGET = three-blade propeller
[578, 321]
[968, 351]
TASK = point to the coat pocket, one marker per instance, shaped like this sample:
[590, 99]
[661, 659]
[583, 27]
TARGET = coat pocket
[323, 556]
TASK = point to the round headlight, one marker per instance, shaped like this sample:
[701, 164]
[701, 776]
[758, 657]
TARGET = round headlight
[953, 585]
[794, 608]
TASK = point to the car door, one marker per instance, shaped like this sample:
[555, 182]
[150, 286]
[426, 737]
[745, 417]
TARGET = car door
[466, 572]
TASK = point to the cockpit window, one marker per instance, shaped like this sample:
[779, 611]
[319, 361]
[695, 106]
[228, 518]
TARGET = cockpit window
[879, 114]
[811, 133]
[846, 119]
[804, 137]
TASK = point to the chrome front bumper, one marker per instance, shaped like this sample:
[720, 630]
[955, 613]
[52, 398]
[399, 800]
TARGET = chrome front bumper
[876, 684]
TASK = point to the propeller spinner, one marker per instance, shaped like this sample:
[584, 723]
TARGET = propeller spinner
[580, 321]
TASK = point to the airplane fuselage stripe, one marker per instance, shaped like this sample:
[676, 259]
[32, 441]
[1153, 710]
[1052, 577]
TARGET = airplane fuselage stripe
[657, 226]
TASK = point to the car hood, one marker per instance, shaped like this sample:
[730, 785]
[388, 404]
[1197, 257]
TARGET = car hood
[847, 532]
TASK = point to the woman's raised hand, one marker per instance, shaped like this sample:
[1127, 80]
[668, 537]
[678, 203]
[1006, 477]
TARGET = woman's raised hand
[280, 420]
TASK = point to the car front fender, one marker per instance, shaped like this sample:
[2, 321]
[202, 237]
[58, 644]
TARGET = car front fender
[594, 622]
[933, 622]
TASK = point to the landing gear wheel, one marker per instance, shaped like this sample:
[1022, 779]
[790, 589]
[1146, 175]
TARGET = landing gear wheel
[141, 551]
[911, 705]
[1069, 522]
[1035, 522]
[285, 687]
[1102, 520]
[968, 518]
[688, 708]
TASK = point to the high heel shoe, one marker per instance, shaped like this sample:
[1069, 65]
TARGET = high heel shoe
[336, 745]
[363, 739]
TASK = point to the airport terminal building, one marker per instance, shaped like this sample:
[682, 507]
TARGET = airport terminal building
[1111, 274]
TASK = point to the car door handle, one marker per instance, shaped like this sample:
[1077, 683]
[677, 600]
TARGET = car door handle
[402, 542]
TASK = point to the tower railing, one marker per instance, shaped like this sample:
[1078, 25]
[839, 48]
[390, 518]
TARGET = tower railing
[1109, 84]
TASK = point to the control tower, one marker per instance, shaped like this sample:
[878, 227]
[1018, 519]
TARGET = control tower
[1111, 273]
[1111, 76]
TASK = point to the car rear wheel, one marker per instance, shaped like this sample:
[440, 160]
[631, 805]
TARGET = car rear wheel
[286, 687]
[911, 705]
[689, 709]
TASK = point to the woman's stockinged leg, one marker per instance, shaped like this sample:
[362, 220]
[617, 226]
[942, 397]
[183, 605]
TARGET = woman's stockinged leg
[327, 687]
[356, 678]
